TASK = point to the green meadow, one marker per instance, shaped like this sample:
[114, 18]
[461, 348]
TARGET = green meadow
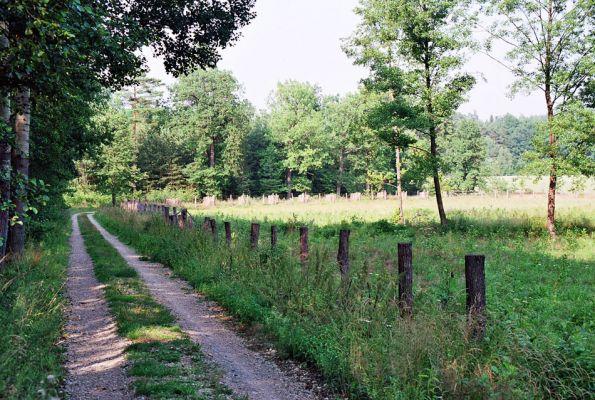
[539, 341]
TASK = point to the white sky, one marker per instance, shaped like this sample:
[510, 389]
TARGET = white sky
[301, 40]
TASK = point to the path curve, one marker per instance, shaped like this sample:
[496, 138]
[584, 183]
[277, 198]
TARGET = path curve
[245, 371]
[94, 351]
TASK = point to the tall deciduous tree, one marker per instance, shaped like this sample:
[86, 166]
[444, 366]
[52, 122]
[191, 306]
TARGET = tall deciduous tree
[551, 50]
[466, 153]
[344, 121]
[212, 115]
[70, 46]
[115, 171]
[422, 43]
[296, 123]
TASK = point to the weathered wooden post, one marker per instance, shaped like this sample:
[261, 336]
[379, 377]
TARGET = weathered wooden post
[254, 234]
[227, 225]
[476, 294]
[343, 254]
[405, 256]
[273, 235]
[304, 253]
[213, 227]
[175, 216]
[184, 214]
[166, 213]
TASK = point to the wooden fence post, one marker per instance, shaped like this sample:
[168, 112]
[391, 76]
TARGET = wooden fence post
[304, 252]
[166, 213]
[175, 216]
[343, 253]
[476, 294]
[254, 234]
[213, 227]
[405, 256]
[273, 235]
[184, 214]
[227, 225]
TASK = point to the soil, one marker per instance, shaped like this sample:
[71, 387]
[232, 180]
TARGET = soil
[95, 358]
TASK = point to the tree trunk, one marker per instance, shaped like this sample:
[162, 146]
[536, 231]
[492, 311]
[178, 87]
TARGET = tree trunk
[113, 198]
[551, 194]
[5, 175]
[20, 161]
[212, 154]
[341, 171]
[399, 191]
[289, 188]
[433, 146]
[434, 153]
[5, 159]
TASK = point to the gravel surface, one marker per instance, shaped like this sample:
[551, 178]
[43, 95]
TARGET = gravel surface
[94, 351]
[244, 371]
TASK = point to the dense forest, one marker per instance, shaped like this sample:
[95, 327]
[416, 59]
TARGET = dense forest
[202, 137]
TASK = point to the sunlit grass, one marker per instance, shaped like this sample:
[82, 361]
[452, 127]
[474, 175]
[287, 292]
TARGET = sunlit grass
[320, 212]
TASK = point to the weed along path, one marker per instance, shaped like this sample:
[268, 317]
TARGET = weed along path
[244, 371]
[94, 351]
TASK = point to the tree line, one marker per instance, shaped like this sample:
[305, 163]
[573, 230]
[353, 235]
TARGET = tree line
[203, 137]
[58, 59]
[401, 129]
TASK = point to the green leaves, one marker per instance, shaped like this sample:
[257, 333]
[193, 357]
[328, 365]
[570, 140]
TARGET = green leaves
[213, 119]
[574, 148]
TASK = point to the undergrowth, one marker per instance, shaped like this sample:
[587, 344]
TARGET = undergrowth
[165, 363]
[539, 341]
[31, 319]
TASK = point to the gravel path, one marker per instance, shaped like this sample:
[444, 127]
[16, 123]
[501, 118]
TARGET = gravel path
[245, 371]
[94, 351]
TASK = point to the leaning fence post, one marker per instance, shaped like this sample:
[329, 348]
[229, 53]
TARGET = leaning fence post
[273, 235]
[343, 253]
[227, 225]
[304, 253]
[476, 294]
[254, 234]
[405, 256]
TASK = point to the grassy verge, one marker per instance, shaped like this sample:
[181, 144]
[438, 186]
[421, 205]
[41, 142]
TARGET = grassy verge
[31, 318]
[539, 343]
[165, 363]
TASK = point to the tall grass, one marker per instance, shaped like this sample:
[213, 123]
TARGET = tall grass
[31, 320]
[539, 341]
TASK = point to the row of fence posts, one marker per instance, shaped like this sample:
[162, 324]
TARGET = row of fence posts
[474, 264]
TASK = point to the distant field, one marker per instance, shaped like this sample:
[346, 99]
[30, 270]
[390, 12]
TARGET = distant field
[321, 212]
